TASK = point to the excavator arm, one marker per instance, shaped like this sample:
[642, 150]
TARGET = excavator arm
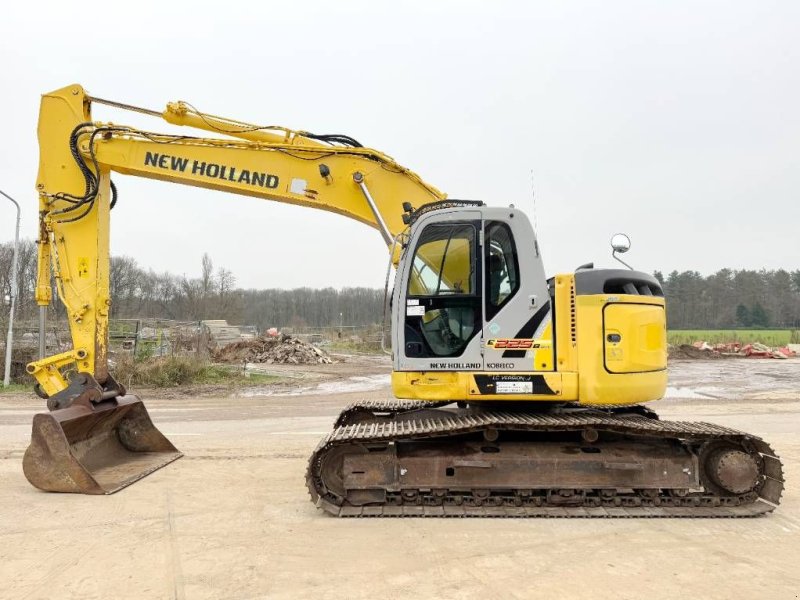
[327, 172]
[96, 439]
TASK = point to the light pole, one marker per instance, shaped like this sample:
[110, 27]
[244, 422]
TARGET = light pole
[10, 338]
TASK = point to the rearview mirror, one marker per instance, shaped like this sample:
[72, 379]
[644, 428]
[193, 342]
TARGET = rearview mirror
[620, 243]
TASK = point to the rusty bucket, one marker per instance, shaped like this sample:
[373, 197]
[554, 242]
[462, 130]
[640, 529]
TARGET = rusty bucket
[95, 449]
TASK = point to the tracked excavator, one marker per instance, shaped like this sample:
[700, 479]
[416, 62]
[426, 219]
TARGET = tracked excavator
[517, 394]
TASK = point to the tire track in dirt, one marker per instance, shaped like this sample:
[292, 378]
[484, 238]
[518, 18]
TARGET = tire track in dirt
[175, 583]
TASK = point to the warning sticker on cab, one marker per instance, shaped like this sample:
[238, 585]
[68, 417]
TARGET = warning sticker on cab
[415, 311]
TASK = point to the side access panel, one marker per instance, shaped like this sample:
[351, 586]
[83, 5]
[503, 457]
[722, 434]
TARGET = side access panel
[635, 338]
[621, 336]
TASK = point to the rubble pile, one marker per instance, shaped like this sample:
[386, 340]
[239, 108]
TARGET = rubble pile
[281, 349]
[688, 351]
[756, 350]
[703, 350]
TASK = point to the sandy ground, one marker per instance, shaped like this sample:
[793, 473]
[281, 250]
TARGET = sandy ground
[232, 519]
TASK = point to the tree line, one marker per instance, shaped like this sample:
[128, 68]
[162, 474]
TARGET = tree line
[732, 298]
[137, 292]
[726, 299]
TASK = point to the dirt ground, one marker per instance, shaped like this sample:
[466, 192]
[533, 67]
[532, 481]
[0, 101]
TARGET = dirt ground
[232, 519]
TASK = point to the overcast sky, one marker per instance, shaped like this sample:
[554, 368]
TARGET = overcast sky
[675, 122]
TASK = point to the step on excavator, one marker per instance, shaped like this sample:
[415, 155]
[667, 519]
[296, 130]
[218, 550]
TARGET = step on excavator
[517, 394]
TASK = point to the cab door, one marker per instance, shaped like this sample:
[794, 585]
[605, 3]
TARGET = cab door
[440, 316]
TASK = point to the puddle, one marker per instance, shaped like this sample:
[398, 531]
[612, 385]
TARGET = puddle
[351, 384]
[687, 393]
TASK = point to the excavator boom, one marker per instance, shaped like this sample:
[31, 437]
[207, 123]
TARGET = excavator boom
[76, 196]
[97, 439]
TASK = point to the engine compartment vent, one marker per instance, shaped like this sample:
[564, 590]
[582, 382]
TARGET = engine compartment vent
[616, 281]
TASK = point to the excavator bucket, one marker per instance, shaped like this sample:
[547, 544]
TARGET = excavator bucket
[97, 449]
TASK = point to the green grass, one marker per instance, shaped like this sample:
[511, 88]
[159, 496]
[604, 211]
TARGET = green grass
[770, 337]
[15, 387]
[173, 371]
[351, 347]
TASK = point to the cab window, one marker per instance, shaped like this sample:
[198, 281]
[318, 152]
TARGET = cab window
[502, 267]
[444, 261]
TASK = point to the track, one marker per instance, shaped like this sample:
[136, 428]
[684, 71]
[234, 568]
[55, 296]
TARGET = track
[402, 453]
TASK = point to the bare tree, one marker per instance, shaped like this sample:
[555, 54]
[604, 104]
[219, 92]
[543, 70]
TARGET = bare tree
[207, 276]
[694, 301]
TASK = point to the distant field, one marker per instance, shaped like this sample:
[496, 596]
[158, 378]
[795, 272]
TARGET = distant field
[771, 337]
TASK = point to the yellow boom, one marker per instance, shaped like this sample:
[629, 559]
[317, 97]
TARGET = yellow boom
[77, 156]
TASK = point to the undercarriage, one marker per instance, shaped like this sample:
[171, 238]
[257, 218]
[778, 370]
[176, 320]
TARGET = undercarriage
[405, 458]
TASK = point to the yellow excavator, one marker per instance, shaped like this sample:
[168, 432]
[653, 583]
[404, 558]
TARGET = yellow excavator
[518, 394]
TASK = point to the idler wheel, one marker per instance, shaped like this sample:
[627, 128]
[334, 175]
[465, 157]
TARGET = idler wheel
[733, 470]
[332, 470]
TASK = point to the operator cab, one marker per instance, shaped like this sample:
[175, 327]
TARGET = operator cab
[470, 274]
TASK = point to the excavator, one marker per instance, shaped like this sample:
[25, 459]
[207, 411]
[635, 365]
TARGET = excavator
[517, 394]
